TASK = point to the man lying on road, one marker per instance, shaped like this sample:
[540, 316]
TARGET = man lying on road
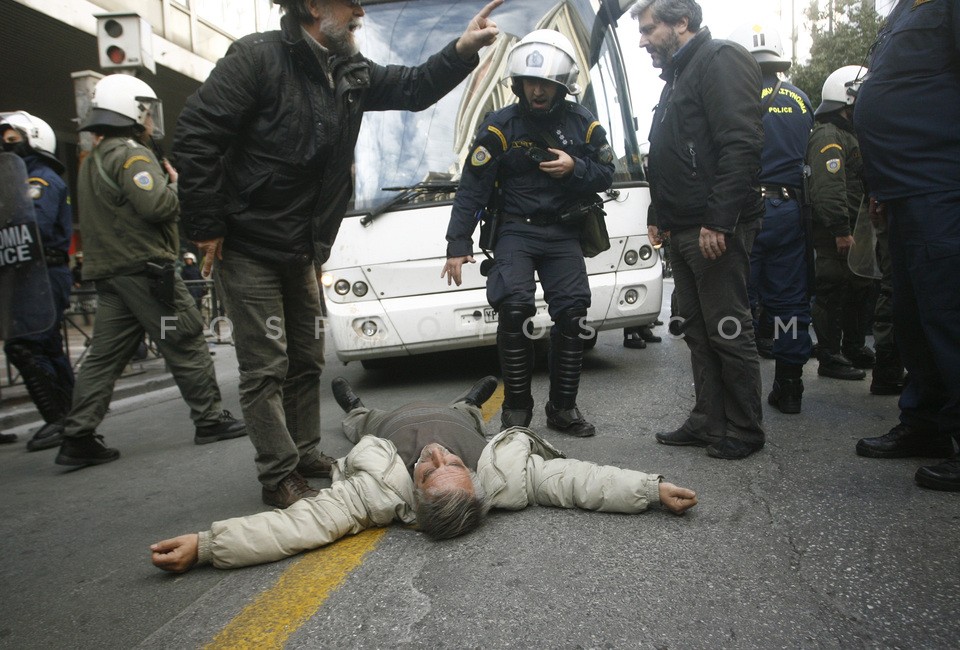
[428, 464]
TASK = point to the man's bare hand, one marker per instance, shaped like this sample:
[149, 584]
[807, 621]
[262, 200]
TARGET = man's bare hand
[676, 499]
[655, 236]
[844, 244]
[171, 170]
[480, 32]
[209, 249]
[451, 270]
[877, 213]
[178, 555]
[713, 244]
[559, 168]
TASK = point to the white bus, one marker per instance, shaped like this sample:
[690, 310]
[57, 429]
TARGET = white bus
[382, 287]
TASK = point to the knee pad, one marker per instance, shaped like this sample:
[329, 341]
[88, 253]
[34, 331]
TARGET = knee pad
[20, 354]
[572, 322]
[512, 317]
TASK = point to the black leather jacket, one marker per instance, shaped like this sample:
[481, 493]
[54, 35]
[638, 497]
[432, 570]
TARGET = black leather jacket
[265, 146]
[707, 137]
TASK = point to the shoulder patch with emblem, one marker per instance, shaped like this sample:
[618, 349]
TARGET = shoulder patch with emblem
[480, 156]
[605, 155]
[143, 180]
[834, 165]
[35, 191]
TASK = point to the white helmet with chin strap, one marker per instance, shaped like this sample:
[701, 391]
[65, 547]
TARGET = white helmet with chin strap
[764, 43]
[543, 54]
[840, 88]
[120, 100]
[37, 134]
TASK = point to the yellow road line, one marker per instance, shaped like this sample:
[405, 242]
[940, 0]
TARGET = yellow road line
[277, 613]
[302, 589]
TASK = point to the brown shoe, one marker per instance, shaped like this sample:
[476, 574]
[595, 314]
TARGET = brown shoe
[319, 468]
[290, 490]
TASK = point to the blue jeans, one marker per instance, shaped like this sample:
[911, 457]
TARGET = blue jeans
[275, 315]
[718, 328]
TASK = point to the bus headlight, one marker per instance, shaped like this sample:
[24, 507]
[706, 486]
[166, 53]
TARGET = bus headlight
[645, 253]
[630, 257]
[360, 289]
[342, 287]
[631, 296]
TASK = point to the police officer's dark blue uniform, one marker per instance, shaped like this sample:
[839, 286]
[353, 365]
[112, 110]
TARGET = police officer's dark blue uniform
[778, 261]
[45, 369]
[503, 170]
[906, 120]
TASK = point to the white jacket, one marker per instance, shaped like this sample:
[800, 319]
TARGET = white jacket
[371, 487]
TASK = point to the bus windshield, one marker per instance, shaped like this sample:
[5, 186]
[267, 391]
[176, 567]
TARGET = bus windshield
[400, 149]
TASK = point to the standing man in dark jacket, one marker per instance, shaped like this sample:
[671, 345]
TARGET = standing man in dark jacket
[45, 368]
[546, 155]
[266, 150]
[705, 146]
[906, 119]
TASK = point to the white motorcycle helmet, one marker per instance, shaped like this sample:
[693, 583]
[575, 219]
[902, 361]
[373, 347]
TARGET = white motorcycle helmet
[38, 135]
[190, 256]
[764, 43]
[543, 54]
[840, 88]
[120, 100]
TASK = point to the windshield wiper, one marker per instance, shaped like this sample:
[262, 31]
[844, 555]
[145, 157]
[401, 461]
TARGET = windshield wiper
[407, 194]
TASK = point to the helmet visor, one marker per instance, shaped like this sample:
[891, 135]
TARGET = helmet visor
[152, 110]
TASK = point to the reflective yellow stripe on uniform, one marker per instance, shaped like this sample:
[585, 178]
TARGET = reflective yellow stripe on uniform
[133, 159]
[37, 179]
[590, 130]
[499, 134]
[831, 146]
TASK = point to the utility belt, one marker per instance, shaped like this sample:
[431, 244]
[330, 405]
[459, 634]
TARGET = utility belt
[55, 257]
[780, 192]
[532, 219]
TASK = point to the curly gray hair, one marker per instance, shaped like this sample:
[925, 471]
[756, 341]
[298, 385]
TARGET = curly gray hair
[451, 513]
[671, 12]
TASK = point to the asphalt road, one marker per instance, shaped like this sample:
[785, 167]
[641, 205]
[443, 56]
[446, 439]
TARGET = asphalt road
[802, 545]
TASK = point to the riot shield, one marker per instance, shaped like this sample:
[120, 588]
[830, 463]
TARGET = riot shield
[26, 301]
[862, 258]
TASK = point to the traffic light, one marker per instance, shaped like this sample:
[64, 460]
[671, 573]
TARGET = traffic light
[124, 41]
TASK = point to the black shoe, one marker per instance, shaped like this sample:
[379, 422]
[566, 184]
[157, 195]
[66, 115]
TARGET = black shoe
[728, 448]
[887, 381]
[647, 334]
[288, 491]
[634, 342]
[568, 421]
[343, 393]
[786, 395]
[85, 450]
[680, 438]
[945, 476]
[905, 441]
[839, 371]
[862, 358]
[515, 418]
[48, 436]
[7, 438]
[320, 468]
[227, 427]
[481, 391]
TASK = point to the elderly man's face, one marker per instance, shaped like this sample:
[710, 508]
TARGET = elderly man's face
[438, 470]
[659, 39]
[339, 19]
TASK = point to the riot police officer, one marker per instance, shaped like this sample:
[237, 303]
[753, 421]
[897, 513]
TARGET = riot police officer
[534, 162]
[129, 211]
[842, 305]
[45, 369]
[778, 261]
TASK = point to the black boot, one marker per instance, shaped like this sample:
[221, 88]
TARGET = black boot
[343, 393]
[480, 392]
[837, 366]
[47, 437]
[226, 427]
[566, 357]
[515, 349]
[862, 357]
[51, 400]
[85, 450]
[888, 376]
[787, 388]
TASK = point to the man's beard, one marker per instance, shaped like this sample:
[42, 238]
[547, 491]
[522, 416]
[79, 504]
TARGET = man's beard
[340, 39]
[661, 55]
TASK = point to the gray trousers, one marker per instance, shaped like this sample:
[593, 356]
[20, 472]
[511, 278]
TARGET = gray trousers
[718, 329]
[125, 310]
[274, 311]
[366, 422]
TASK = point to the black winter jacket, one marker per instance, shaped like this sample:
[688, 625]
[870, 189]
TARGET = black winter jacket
[265, 146]
[707, 137]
